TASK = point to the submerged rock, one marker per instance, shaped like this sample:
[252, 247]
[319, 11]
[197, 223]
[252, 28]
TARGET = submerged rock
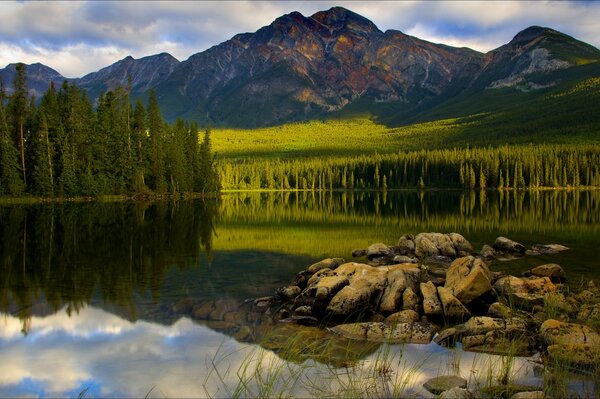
[443, 383]
[549, 248]
[507, 245]
[558, 332]
[576, 356]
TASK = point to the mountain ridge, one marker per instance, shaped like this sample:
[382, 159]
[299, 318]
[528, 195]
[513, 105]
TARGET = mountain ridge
[300, 68]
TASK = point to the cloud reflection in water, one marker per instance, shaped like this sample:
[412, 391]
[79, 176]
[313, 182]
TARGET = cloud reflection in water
[111, 356]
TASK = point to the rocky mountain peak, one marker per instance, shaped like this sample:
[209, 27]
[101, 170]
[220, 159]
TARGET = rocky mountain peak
[338, 18]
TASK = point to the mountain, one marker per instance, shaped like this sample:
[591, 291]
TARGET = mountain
[338, 63]
[145, 73]
[39, 77]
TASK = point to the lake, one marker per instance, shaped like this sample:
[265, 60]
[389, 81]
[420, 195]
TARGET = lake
[129, 299]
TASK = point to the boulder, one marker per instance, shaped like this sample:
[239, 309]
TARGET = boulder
[431, 303]
[549, 248]
[440, 261]
[487, 252]
[558, 332]
[404, 259]
[406, 245]
[499, 310]
[425, 246]
[329, 286]
[304, 310]
[403, 316]
[576, 356]
[452, 308]
[461, 245]
[356, 297]
[392, 294]
[359, 253]
[483, 324]
[468, 278]
[410, 300]
[550, 270]
[416, 333]
[525, 291]
[379, 250]
[456, 393]
[431, 244]
[443, 383]
[289, 292]
[314, 279]
[329, 263]
[507, 245]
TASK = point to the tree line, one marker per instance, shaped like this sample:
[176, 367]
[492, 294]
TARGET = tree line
[504, 167]
[63, 145]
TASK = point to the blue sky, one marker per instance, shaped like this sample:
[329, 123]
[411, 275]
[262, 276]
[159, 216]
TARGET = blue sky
[76, 38]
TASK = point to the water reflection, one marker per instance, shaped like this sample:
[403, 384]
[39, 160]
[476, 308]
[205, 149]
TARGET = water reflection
[110, 356]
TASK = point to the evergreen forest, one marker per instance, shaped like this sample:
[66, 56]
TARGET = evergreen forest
[65, 146]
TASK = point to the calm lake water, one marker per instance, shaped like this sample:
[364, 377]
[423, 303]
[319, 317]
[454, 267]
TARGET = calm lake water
[107, 298]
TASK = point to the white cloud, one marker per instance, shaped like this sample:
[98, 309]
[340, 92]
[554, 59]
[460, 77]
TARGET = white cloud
[80, 37]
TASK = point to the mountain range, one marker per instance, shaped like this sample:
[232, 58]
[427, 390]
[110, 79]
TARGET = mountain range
[337, 62]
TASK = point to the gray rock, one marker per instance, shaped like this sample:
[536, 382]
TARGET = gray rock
[440, 384]
[528, 395]
[508, 245]
[456, 393]
[289, 292]
[551, 270]
[462, 246]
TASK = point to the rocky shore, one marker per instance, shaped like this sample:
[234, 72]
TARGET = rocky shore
[431, 287]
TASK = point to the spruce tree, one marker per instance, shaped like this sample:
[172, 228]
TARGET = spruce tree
[11, 182]
[18, 112]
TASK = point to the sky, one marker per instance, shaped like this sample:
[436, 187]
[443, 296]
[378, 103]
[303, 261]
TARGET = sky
[79, 37]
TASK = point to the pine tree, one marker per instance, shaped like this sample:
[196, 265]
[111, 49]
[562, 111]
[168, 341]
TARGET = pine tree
[18, 111]
[155, 134]
[42, 173]
[11, 182]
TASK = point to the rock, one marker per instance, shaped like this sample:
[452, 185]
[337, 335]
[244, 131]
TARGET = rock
[499, 310]
[586, 296]
[483, 324]
[406, 245]
[202, 311]
[221, 308]
[506, 245]
[443, 383]
[525, 292]
[314, 279]
[329, 286]
[550, 270]
[456, 393]
[468, 278]
[447, 337]
[359, 253]
[329, 263]
[487, 252]
[392, 295]
[431, 303]
[424, 246]
[381, 261]
[356, 297]
[244, 334]
[410, 300]
[452, 308]
[529, 395]
[289, 292]
[379, 250]
[576, 356]
[558, 332]
[461, 245]
[404, 259]
[304, 310]
[589, 313]
[549, 248]
[416, 333]
[437, 260]
[302, 320]
[403, 316]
